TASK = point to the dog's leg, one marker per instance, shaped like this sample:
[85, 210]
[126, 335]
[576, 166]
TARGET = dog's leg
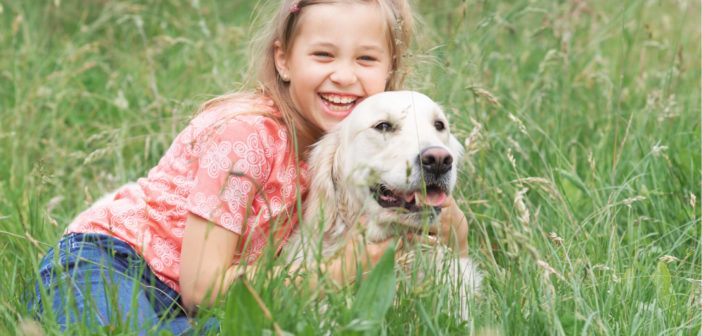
[469, 278]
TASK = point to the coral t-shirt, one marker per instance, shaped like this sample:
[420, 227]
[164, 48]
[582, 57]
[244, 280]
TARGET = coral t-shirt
[210, 170]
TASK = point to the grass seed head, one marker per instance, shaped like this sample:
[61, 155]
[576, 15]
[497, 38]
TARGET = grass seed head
[545, 184]
[95, 155]
[668, 259]
[51, 220]
[658, 150]
[555, 238]
[521, 209]
[519, 123]
[474, 141]
[693, 200]
[482, 93]
[629, 201]
[511, 158]
[549, 270]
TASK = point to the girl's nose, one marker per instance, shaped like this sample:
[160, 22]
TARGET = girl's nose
[343, 75]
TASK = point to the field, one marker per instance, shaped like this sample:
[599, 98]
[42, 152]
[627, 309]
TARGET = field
[581, 120]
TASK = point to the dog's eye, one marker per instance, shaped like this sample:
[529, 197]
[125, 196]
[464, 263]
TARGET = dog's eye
[384, 126]
[439, 125]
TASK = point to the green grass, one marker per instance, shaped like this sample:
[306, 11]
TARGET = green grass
[584, 175]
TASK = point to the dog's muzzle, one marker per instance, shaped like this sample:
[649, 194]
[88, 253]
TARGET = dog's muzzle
[436, 164]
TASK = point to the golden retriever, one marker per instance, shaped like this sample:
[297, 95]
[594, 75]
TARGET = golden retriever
[393, 162]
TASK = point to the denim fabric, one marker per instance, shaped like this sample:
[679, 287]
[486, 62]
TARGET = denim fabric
[101, 281]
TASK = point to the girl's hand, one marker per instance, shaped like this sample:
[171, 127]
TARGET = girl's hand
[452, 229]
[343, 267]
[370, 253]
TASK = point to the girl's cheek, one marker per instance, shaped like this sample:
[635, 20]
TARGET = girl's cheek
[379, 77]
[382, 82]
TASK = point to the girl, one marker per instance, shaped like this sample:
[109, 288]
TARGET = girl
[171, 242]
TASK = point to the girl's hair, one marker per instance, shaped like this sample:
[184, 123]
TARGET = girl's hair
[283, 28]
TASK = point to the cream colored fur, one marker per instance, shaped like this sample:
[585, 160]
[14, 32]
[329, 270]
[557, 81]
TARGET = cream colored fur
[358, 154]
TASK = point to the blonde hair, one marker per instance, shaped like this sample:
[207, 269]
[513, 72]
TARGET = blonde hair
[283, 29]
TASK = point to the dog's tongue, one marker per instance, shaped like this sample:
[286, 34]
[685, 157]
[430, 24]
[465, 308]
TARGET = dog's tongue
[433, 198]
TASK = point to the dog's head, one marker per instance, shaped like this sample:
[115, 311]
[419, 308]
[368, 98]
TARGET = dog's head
[393, 158]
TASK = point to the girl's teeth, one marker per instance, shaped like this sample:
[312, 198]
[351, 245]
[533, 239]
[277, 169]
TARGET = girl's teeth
[338, 99]
[338, 103]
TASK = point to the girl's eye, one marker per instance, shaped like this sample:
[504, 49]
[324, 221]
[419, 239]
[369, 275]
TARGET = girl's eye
[439, 125]
[384, 127]
[367, 58]
[322, 54]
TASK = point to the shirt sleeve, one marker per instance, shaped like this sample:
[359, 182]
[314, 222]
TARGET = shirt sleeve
[233, 164]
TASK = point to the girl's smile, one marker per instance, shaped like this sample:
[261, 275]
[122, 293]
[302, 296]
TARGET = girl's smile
[338, 105]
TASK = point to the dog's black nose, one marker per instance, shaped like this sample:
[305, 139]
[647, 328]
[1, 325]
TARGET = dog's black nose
[436, 160]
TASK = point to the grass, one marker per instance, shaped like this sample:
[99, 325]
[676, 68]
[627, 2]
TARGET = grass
[583, 183]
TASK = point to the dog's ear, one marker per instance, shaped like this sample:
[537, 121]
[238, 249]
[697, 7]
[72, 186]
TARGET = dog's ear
[324, 170]
[456, 147]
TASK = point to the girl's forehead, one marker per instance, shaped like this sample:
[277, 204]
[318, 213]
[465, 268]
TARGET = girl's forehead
[337, 22]
[335, 12]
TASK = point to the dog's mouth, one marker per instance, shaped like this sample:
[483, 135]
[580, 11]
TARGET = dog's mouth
[411, 201]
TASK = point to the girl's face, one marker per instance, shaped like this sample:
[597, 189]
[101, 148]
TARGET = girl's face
[339, 56]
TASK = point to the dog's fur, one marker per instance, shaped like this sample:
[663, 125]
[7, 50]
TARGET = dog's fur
[374, 165]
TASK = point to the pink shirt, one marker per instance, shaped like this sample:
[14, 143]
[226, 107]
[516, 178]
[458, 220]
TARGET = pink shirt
[195, 176]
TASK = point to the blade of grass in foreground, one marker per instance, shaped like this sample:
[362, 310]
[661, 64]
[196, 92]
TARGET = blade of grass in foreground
[376, 294]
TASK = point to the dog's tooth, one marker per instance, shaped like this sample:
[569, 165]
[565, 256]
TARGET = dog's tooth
[418, 196]
[409, 198]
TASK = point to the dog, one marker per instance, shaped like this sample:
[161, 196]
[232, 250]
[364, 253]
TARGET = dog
[392, 161]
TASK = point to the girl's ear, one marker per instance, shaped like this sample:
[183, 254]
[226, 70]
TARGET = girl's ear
[281, 60]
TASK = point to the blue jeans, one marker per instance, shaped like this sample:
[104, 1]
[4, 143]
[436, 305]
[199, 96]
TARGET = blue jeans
[101, 281]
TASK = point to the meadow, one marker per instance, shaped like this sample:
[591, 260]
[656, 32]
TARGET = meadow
[582, 127]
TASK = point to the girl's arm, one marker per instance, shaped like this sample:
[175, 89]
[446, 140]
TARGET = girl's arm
[206, 269]
[342, 268]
